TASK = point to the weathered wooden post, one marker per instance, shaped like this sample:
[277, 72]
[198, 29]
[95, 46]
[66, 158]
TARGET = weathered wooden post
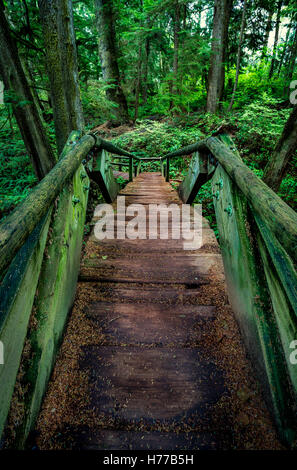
[161, 167]
[131, 169]
[167, 168]
[138, 168]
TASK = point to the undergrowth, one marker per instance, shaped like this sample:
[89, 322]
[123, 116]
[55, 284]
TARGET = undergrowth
[255, 130]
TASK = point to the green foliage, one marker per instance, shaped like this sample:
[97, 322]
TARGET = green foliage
[205, 198]
[259, 124]
[121, 181]
[16, 172]
[177, 101]
[97, 108]
[152, 139]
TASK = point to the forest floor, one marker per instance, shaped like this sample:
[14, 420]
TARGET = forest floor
[255, 130]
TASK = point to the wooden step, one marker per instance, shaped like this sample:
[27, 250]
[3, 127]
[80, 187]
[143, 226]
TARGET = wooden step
[133, 384]
[148, 323]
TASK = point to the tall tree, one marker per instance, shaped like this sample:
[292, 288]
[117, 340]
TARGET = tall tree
[291, 62]
[277, 166]
[216, 77]
[108, 56]
[176, 31]
[138, 66]
[285, 46]
[21, 97]
[267, 32]
[278, 19]
[147, 49]
[59, 38]
[241, 36]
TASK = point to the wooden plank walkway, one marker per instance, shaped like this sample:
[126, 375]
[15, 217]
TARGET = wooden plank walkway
[152, 357]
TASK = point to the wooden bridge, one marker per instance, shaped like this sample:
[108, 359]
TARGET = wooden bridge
[159, 347]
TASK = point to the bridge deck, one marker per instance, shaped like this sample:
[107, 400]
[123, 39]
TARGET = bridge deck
[152, 357]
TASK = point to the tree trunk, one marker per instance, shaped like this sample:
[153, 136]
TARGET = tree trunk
[284, 49]
[267, 32]
[276, 168]
[176, 31]
[108, 57]
[243, 21]
[58, 30]
[138, 70]
[279, 7]
[216, 71]
[147, 49]
[291, 65]
[225, 41]
[26, 114]
[138, 78]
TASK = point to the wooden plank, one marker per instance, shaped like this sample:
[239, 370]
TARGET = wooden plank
[147, 379]
[280, 218]
[56, 291]
[282, 282]
[247, 290]
[197, 176]
[103, 175]
[146, 323]
[167, 169]
[161, 361]
[17, 295]
[131, 169]
[144, 440]
[138, 169]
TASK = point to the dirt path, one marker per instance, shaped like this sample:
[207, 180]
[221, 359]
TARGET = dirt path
[152, 357]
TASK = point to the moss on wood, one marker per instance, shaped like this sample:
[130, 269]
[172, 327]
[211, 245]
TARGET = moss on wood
[17, 295]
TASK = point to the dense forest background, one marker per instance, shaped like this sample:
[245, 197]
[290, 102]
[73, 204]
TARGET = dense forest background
[153, 75]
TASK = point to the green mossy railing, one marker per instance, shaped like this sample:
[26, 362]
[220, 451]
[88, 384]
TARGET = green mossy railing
[258, 241]
[40, 247]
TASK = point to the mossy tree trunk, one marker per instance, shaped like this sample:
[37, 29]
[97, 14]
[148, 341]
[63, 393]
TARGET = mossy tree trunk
[59, 38]
[276, 167]
[108, 57]
[24, 108]
[216, 77]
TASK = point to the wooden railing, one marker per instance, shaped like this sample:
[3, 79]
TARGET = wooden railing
[40, 249]
[258, 240]
[40, 246]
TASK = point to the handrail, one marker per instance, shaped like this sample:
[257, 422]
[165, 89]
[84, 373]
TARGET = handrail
[15, 229]
[200, 145]
[280, 217]
[110, 147]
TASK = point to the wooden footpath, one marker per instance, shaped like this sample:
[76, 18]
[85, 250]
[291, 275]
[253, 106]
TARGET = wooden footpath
[152, 357]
